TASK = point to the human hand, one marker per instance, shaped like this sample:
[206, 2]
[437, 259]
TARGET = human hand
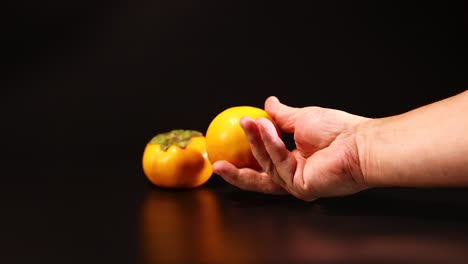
[325, 162]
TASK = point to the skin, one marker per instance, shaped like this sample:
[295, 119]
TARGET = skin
[338, 153]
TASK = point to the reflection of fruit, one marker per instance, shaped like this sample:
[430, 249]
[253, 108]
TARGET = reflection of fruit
[226, 140]
[177, 159]
[187, 227]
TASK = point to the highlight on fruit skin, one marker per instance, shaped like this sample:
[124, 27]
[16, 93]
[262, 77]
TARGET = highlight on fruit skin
[177, 159]
[226, 140]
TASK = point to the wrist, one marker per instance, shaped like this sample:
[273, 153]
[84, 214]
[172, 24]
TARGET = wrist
[369, 166]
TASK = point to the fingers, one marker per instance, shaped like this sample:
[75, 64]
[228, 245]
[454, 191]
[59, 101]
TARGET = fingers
[249, 179]
[259, 151]
[246, 179]
[270, 151]
[284, 116]
[283, 161]
[255, 140]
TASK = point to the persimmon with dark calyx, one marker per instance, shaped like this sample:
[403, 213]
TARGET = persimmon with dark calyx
[177, 159]
[226, 140]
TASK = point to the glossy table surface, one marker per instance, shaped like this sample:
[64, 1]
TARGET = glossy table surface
[110, 213]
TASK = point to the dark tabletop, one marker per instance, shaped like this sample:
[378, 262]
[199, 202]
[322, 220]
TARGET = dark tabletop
[110, 213]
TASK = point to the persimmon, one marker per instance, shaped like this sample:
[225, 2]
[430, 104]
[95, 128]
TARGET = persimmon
[177, 159]
[226, 140]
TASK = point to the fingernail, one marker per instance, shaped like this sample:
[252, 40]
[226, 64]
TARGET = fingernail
[274, 98]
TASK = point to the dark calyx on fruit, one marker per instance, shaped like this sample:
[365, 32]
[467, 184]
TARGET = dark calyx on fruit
[178, 137]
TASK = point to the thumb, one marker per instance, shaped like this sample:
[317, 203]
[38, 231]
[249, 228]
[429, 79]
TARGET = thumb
[283, 115]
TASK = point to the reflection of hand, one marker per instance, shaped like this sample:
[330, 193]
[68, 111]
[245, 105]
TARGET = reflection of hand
[325, 162]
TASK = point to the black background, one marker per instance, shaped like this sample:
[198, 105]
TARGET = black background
[102, 77]
[87, 83]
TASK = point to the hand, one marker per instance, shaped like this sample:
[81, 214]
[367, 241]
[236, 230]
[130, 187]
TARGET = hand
[324, 163]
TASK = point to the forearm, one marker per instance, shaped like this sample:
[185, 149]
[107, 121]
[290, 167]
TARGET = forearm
[425, 147]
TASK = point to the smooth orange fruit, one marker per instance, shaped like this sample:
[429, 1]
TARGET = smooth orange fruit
[226, 140]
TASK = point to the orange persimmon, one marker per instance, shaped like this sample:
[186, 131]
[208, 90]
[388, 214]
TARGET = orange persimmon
[177, 159]
[226, 140]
